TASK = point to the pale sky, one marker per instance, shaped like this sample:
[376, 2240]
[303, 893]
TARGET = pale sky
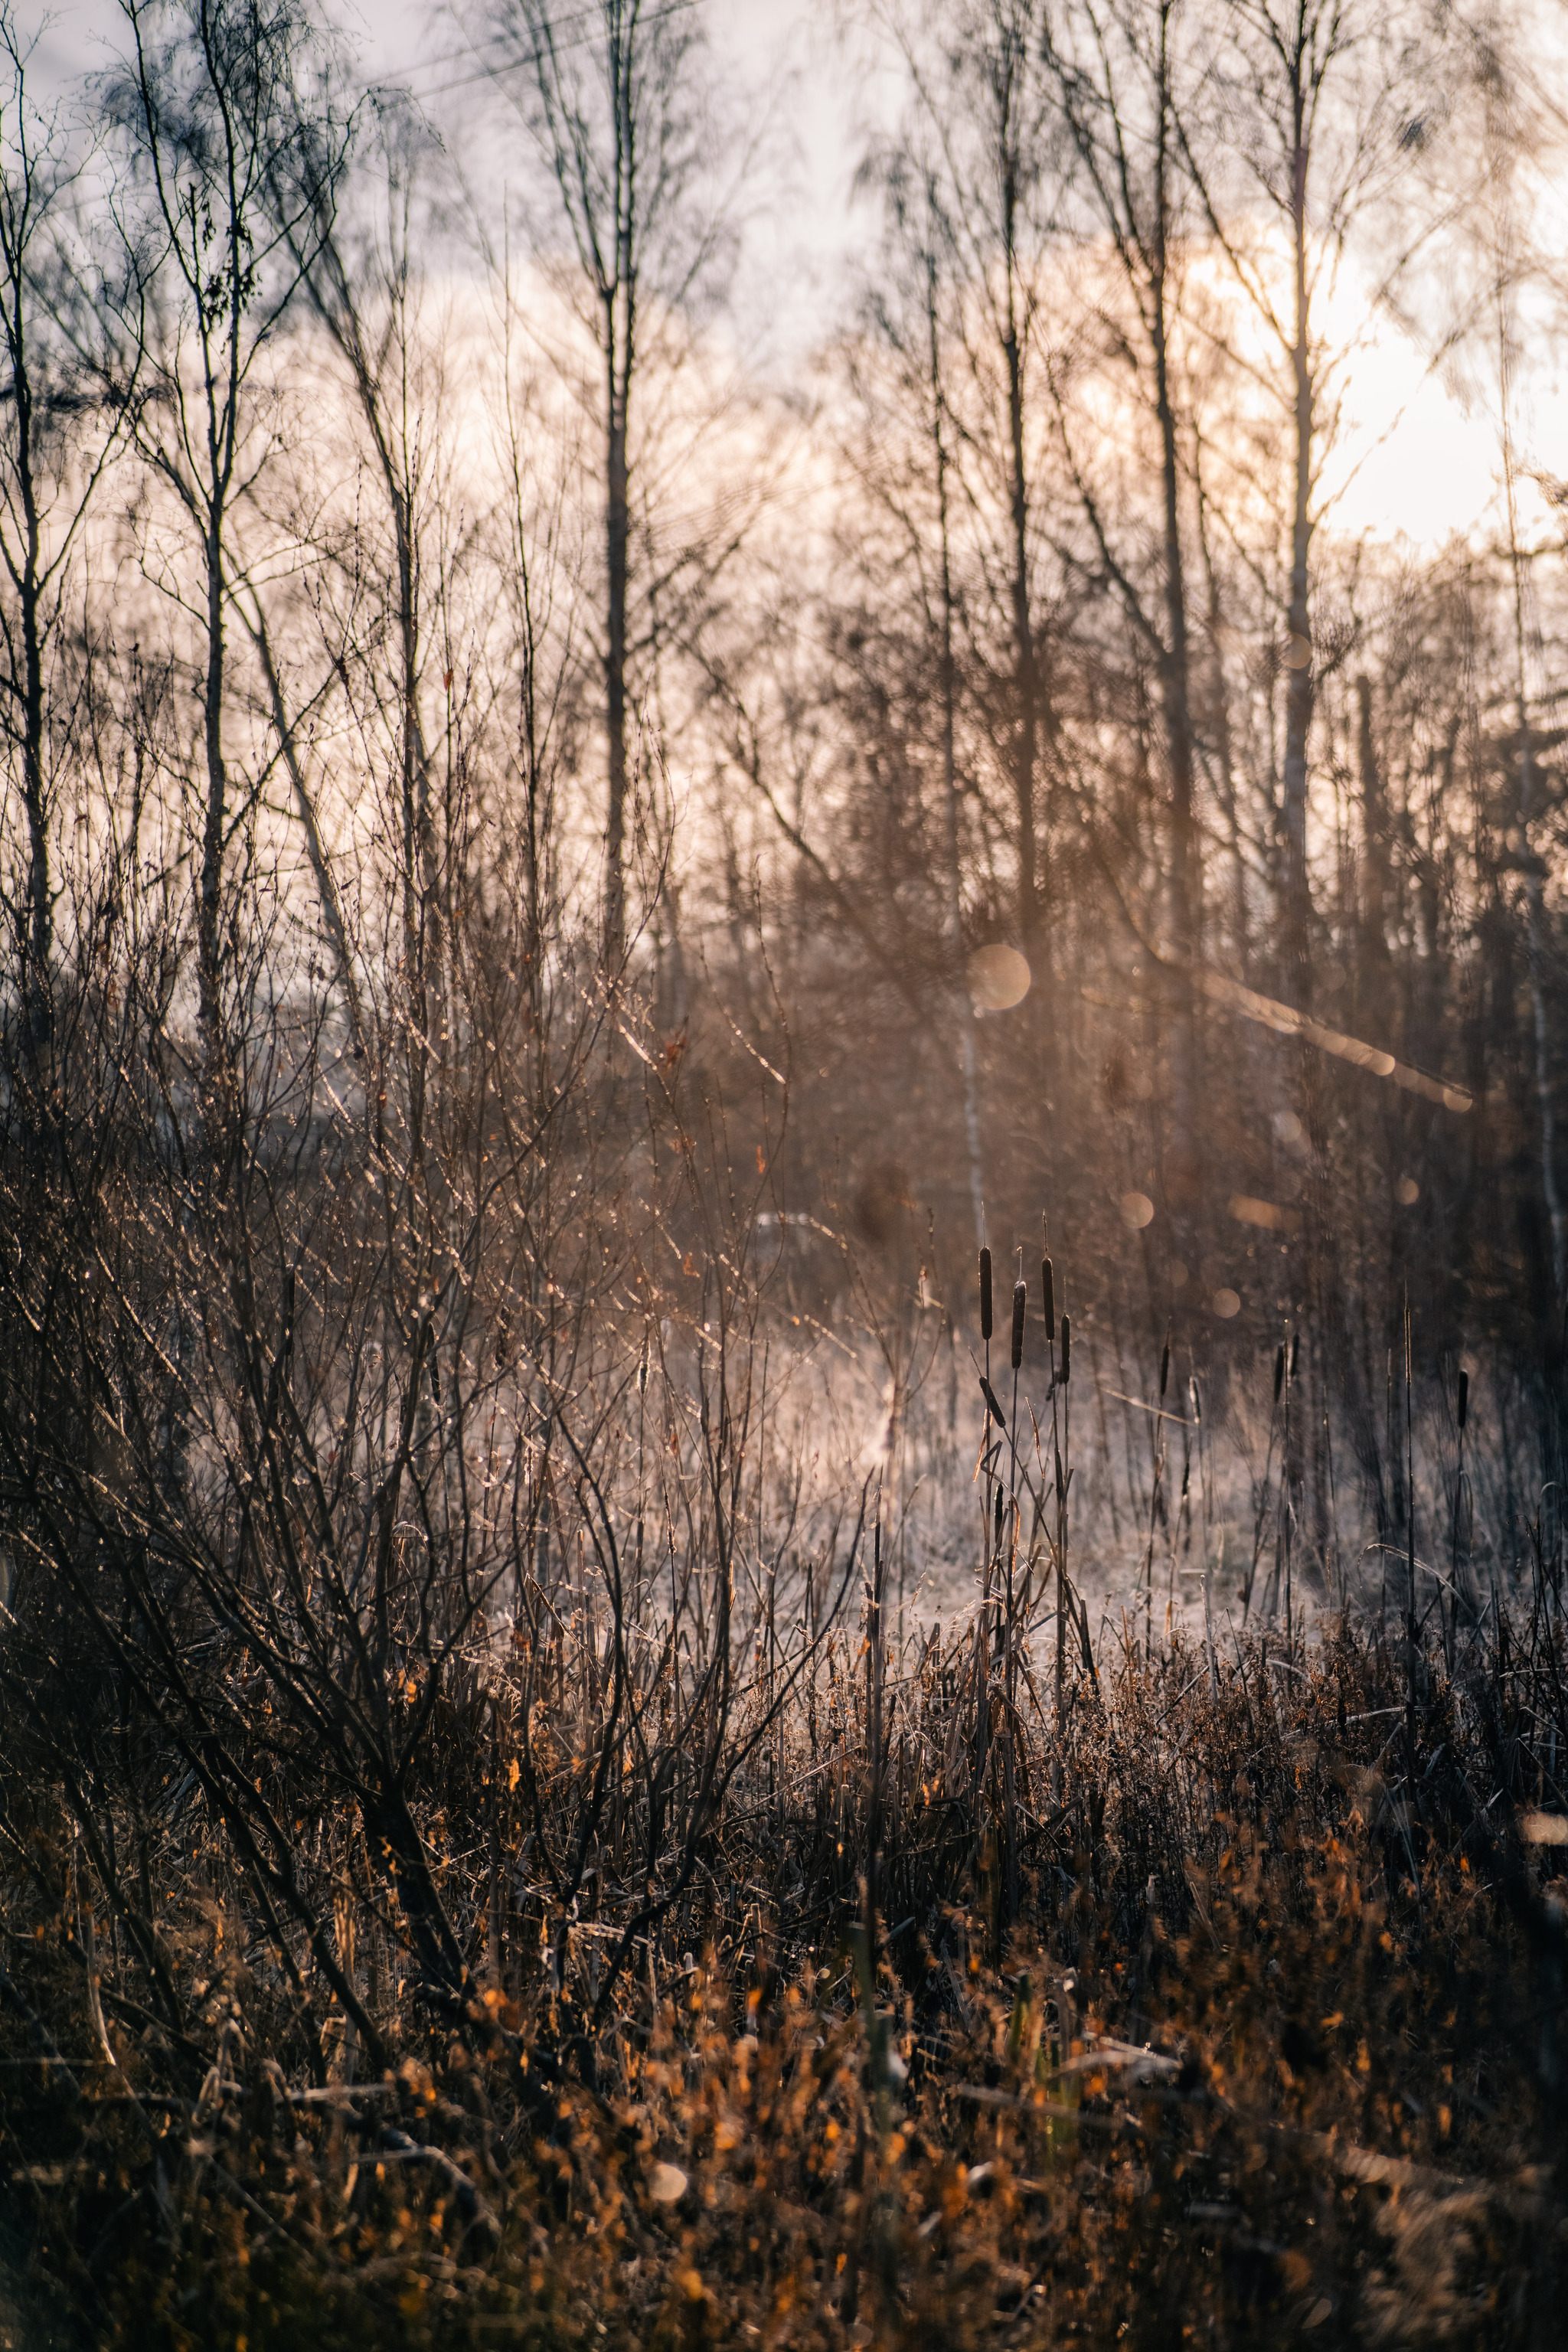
[1435, 474]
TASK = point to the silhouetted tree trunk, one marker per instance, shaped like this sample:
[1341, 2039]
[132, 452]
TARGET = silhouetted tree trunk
[1376, 881]
[1298, 622]
[48, 474]
[949, 764]
[626, 148]
[1117, 81]
[205, 109]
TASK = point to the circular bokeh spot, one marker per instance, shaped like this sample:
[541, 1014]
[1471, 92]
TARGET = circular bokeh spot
[1226, 1303]
[1137, 1210]
[998, 978]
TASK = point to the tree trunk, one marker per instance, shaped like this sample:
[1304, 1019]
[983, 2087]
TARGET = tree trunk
[1377, 877]
[1184, 1174]
[209, 906]
[316, 850]
[1534, 907]
[1298, 693]
[1532, 863]
[949, 783]
[617, 526]
[421, 910]
[1024, 647]
[1175, 666]
[35, 917]
[40, 915]
[1024, 669]
[620, 351]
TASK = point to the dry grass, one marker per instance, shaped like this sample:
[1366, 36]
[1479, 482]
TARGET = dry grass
[1317, 1913]
[480, 1854]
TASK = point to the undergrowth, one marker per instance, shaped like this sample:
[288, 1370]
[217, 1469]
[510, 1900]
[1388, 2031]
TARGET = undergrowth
[1269, 2050]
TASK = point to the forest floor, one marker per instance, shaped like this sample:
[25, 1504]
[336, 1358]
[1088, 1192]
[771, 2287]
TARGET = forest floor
[1232, 2015]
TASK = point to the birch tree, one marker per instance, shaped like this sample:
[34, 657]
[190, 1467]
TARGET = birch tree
[204, 103]
[57, 435]
[613, 107]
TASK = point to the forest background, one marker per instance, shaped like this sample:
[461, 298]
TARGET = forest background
[601, 793]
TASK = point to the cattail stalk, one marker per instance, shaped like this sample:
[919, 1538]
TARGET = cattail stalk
[1410, 1628]
[1009, 1668]
[1064, 1588]
[1020, 1309]
[1155, 1485]
[1183, 1517]
[1462, 1415]
[1195, 1405]
[1287, 1514]
[992, 1538]
[874, 1684]
[1049, 1308]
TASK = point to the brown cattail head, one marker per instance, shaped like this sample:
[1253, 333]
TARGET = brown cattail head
[1164, 1368]
[1464, 1397]
[998, 1515]
[985, 1294]
[1049, 1294]
[992, 1407]
[1065, 1373]
[1295, 1352]
[1279, 1370]
[1020, 1301]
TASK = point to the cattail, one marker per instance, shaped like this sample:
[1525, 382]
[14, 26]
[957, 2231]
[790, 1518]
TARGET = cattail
[1295, 1352]
[1049, 1294]
[985, 1294]
[1278, 1372]
[1020, 1300]
[1066, 1350]
[1164, 1368]
[998, 1517]
[994, 1410]
[1464, 1397]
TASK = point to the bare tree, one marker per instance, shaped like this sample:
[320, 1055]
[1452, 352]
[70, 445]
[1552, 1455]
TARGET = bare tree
[616, 115]
[904, 460]
[980, 85]
[1116, 70]
[204, 103]
[1515, 127]
[361, 279]
[56, 440]
[1314, 99]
